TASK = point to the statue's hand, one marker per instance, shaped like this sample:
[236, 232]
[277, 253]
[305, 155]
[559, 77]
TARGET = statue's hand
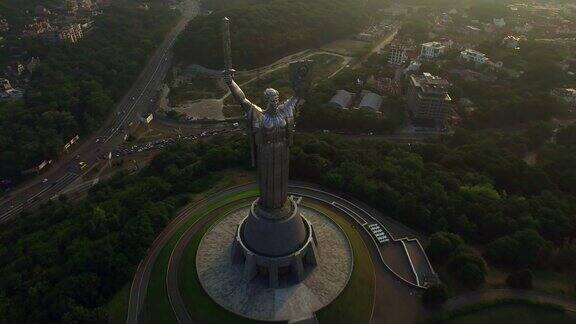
[228, 76]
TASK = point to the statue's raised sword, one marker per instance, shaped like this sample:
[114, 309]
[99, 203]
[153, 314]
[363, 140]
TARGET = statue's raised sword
[227, 43]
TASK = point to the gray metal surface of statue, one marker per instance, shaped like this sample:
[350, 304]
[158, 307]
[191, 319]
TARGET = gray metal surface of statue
[270, 130]
[274, 236]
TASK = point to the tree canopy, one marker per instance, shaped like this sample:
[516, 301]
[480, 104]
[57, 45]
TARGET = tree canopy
[77, 85]
[263, 31]
[63, 262]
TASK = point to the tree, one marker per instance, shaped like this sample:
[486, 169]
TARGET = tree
[435, 296]
[524, 248]
[290, 26]
[471, 275]
[468, 267]
[567, 136]
[520, 280]
[442, 245]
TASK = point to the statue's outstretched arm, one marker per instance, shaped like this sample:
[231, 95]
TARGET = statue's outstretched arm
[290, 105]
[237, 93]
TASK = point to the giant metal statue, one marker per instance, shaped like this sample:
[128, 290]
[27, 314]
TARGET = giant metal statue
[274, 236]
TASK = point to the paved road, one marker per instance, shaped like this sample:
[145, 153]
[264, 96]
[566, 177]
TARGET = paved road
[284, 62]
[142, 276]
[377, 48]
[172, 286]
[495, 294]
[395, 301]
[138, 100]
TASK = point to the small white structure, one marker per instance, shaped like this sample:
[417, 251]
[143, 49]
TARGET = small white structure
[7, 92]
[523, 28]
[397, 54]
[379, 233]
[5, 85]
[341, 99]
[511, 41]
[432, 50]
[413, 67]
[473, 56]
[566, 95]
[499, 22]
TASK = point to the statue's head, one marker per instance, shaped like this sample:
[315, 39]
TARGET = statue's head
[272, 99]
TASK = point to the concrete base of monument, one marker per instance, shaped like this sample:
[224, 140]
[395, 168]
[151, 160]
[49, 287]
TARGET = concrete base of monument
[228, 286]
[284, 245]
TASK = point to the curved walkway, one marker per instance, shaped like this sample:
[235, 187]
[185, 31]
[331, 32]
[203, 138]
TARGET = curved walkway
[395, 300]
[141, 278]
[172, 286]
[495, 294]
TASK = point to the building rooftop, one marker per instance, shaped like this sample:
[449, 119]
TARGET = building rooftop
[433, 44]
[430, 85]
[470, 51]
[341, 99]
[372, 101]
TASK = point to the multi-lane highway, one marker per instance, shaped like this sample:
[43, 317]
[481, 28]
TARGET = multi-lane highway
[138, 101]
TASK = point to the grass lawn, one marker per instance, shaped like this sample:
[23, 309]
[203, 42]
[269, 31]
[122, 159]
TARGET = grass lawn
[197, 88]
[525, 314]
[348, 47]
[547, 281]
[555, 283]
[118, 306]
[158, 309]
[322, 67]
[202, 308]
[231, 111]
[354, 305]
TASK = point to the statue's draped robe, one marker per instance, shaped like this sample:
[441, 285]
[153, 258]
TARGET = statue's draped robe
[271, 136]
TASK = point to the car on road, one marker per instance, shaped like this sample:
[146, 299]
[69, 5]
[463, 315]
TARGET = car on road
[82, 165]
[44, 180]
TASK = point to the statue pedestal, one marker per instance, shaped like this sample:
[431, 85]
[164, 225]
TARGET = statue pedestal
[274, 243]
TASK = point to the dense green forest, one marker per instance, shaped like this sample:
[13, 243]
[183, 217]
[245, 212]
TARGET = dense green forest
[263, 31]
[471, 184]
[14, 11]
[64, 261]
[524, 99]
[76, 85]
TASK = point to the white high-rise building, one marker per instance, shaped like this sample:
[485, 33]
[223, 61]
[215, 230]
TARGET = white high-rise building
[472, 56]
[432, 50]
[397, 54]
[428, 99]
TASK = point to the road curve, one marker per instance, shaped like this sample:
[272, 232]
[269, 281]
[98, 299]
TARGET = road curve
[394, 300]
[172, 286]
[139, 285]
[495, 294]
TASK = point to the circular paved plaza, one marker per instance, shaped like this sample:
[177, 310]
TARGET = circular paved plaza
[225, 284]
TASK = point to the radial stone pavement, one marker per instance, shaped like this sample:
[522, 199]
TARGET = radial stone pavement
[226, 283]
